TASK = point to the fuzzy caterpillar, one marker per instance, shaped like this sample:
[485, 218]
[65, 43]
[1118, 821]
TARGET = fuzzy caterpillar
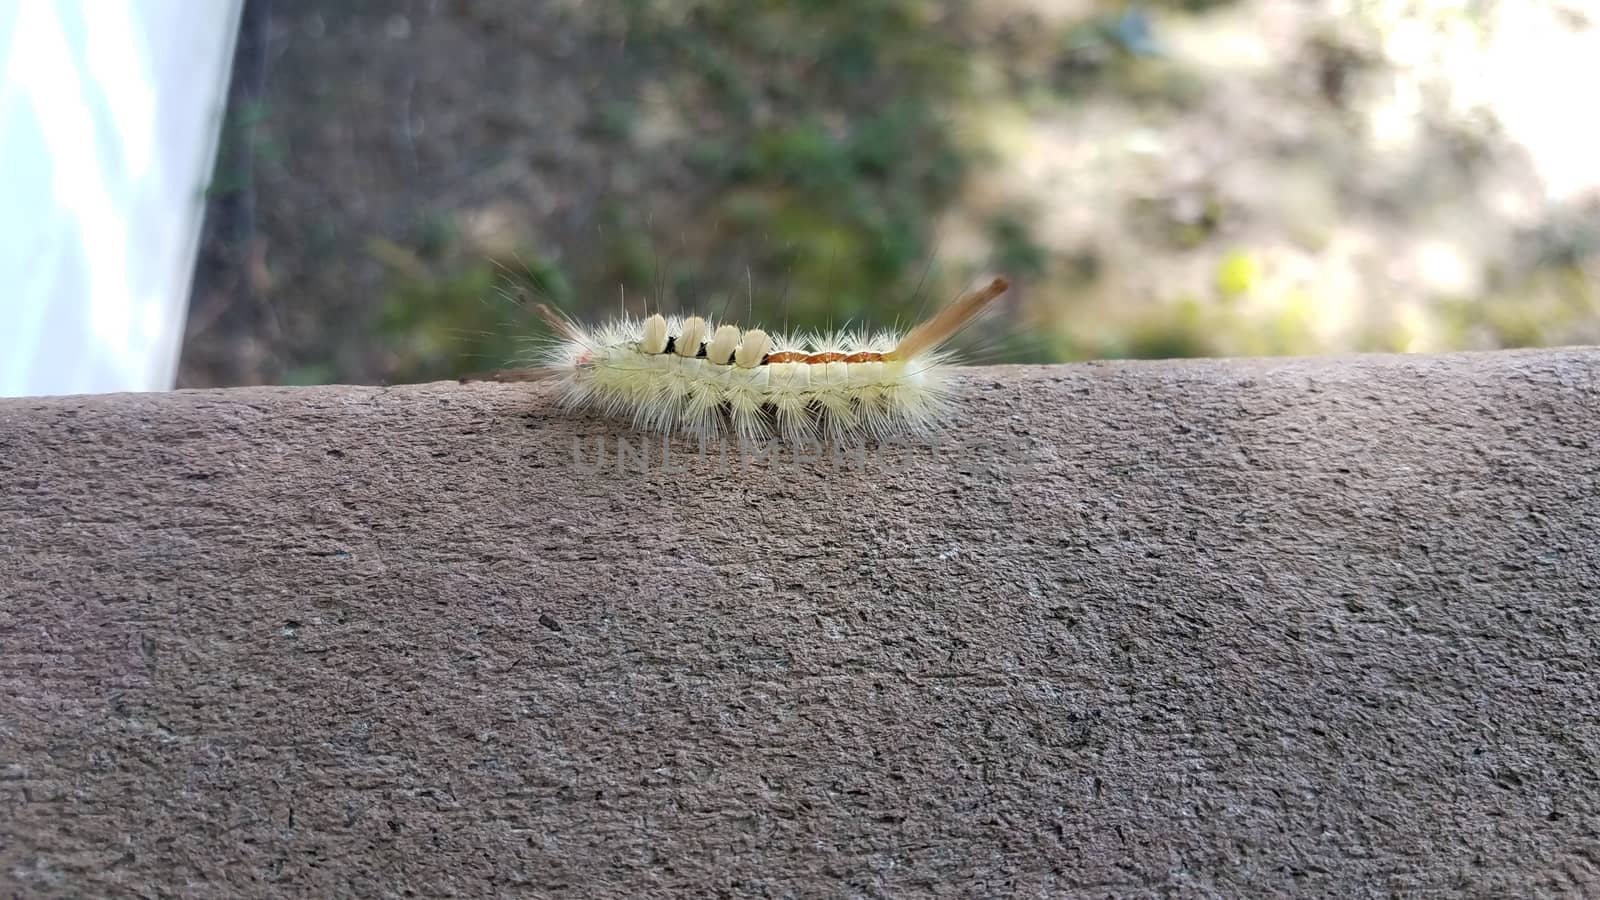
[689, 375]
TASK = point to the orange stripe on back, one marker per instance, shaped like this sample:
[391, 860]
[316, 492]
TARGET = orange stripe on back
[816, 359]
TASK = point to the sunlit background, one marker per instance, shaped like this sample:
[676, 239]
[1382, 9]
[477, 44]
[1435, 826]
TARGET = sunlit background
[396, 180]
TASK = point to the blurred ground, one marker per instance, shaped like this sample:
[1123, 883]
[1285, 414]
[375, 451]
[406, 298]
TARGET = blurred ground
[1174, 179]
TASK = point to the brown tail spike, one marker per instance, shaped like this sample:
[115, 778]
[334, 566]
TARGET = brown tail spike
[942, 327]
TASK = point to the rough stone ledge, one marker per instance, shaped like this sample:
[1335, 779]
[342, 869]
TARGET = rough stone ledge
[1326, 627]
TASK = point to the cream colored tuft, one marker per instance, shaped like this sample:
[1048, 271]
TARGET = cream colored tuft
[692, 334]
[654, 339]
[720, 351]
[753, 348]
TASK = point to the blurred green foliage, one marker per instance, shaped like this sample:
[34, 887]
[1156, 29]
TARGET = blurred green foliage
[453, 320]
[821, 152]
[826, 158]
[825, 162]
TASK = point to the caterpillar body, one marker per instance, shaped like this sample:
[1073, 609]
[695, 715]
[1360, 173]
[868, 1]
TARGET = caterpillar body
[692, 376]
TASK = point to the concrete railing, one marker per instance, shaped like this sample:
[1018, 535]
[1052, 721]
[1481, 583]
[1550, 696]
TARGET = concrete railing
[1205, 628]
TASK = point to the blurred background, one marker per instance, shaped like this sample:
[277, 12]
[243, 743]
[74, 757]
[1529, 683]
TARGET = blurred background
[395, 180]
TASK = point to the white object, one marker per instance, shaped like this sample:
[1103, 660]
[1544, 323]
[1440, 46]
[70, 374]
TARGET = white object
[110, 112]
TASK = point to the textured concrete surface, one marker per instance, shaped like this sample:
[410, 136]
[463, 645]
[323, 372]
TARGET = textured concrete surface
[1323, 627]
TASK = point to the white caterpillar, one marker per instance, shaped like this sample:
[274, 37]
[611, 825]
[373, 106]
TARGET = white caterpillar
[691, 376]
